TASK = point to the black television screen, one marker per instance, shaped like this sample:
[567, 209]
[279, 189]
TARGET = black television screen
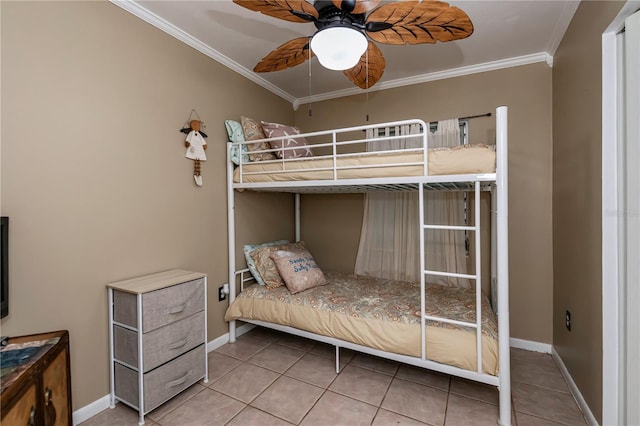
[4, 266]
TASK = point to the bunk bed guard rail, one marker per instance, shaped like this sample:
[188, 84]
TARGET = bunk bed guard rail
[345, 146]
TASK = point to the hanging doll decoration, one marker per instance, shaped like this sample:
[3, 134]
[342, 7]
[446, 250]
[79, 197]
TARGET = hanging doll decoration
[196, 146]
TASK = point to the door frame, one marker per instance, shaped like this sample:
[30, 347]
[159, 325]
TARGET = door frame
[613, 399]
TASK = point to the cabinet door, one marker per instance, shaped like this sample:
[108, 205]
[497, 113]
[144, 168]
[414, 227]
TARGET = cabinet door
[24, 411]
[54, 387]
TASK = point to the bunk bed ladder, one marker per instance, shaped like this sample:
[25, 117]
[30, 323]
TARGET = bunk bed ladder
[477, 277]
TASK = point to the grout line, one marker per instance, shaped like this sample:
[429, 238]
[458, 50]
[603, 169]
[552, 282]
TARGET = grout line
[248, 404]
[312, 405]
[395, 375]
[283, 374]
[350, 362]
[567, 392]
[177, 406]
[446, 403]
[325, 390]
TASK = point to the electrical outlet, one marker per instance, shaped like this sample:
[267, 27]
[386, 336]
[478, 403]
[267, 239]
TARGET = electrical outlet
[221, 294]
[567, 320]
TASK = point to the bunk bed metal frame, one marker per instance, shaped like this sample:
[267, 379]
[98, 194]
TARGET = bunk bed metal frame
[496, 183]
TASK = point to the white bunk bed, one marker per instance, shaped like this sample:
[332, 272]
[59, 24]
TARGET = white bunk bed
[343, 171]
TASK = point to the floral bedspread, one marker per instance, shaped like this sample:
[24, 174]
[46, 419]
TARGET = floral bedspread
[386, 300]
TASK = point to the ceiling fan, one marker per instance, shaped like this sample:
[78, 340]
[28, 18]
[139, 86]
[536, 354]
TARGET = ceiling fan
[346, 30]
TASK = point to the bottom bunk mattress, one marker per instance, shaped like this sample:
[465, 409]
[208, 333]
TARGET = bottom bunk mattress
[381, 314]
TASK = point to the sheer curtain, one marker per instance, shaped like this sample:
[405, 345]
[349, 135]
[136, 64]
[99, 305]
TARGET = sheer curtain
[389, 242]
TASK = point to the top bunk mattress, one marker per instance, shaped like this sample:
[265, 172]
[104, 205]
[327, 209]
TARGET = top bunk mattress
[460, 160]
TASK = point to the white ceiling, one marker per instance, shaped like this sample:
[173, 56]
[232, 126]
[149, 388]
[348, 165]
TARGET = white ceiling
[506, 33]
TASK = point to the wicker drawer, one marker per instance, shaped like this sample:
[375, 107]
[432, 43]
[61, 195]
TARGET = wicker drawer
[160, 307]
[162, 383]
[160, 345]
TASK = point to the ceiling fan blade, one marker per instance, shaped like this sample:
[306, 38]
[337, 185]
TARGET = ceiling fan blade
[373, 70]
[414, 22]
[292, 53]
[288, 10]
[356, 6]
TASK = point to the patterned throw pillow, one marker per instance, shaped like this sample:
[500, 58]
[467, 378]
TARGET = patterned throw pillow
[265, 266]
[251, 264]
[298, 270]
[234, 130]
[252, 131]
[273, 130]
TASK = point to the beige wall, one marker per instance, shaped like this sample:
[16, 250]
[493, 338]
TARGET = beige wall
[94, 176]
[577, 218]
[527, 92]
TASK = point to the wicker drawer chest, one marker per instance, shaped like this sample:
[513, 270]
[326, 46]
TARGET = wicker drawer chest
[157, 336]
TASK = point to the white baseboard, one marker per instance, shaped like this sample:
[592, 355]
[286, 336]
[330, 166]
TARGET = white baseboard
[574, 389]
[549, 349]
[84, 413]
[216, 343]
[244, 329]
[530, 345]
[88, 411]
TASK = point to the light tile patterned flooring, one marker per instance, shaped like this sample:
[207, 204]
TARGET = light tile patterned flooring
[268, 378]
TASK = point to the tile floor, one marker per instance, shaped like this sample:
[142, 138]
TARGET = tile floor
[268, 378]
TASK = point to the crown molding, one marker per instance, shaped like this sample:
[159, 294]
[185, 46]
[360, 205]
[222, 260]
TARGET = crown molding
[440, 75]
[566, 15]
[164, 25]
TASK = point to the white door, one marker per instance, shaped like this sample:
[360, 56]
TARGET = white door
[620, 218]
[631, 199]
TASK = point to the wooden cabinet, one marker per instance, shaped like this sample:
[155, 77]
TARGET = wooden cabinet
[158, 336]
[36, 384]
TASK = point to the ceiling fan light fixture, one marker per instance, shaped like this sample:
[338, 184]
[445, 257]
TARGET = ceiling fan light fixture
[339, 48]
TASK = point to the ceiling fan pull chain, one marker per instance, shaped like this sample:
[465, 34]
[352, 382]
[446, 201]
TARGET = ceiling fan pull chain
[309, 61]
[366, 60]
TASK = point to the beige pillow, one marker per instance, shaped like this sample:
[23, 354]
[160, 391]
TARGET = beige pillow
[298, 269]
[273, 130]
[249, 248]
[265, 266]
[253, 131]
